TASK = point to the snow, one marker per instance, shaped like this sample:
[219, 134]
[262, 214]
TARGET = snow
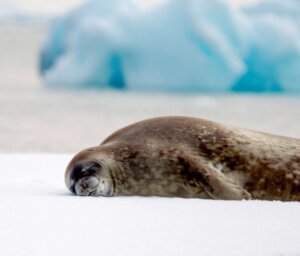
[40, 217]
[176, 46]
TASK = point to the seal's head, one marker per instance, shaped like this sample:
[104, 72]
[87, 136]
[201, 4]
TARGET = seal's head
[88, 174]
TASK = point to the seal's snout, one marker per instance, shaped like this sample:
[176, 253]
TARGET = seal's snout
[87, 186]
[90, 182]
[85, 178]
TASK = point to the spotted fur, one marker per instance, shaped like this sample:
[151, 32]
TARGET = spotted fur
[189, 157]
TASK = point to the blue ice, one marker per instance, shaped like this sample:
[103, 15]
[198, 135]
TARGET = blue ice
[178, 45]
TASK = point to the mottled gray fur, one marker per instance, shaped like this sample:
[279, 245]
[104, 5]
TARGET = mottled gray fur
[190, 157]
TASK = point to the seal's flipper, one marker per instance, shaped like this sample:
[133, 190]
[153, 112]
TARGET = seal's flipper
[224, 188]
[214, 183]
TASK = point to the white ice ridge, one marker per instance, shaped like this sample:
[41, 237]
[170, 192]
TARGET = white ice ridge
[177, 45]
[40, 217]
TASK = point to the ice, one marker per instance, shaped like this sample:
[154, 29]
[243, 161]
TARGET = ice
[273, 61]
[178, 45]
[40, 217]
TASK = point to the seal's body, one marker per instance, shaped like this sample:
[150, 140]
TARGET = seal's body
[189, 157]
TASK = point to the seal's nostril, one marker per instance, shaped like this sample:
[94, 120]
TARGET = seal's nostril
[84, 184]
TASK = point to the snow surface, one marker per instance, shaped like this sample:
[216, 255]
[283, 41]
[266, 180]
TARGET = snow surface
[40, 217]
[178, 45]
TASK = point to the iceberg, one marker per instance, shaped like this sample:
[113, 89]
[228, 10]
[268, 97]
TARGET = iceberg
[176, 45]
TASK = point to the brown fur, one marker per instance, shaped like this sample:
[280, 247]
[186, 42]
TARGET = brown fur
[189, 157]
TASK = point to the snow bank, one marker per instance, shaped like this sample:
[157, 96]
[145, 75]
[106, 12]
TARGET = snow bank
[40, 217]
[176, 46]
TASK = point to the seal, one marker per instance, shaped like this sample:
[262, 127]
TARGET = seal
[191, 158]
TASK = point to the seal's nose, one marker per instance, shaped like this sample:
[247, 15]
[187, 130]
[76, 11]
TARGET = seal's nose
[86, 186]
[90, 183]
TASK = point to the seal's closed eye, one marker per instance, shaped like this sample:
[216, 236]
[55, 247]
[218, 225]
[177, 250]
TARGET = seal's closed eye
[84, 169]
